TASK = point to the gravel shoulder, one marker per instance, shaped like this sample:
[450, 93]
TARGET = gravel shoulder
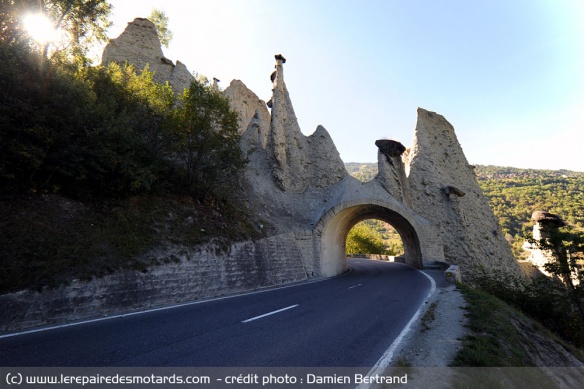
[437, 336]
[433, 341]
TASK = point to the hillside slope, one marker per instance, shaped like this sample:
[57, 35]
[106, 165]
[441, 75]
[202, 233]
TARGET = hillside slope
[49, 240]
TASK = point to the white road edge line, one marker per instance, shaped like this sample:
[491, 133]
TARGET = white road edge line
[164, 308]
[270, 313]
[354, 286]
[387, 356]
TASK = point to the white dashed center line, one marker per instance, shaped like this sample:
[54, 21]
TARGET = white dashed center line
[270, 313]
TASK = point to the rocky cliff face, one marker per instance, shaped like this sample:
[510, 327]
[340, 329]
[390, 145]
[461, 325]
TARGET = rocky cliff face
[295, 161]
[444, 189]
[391, 170]
[249, 107]
[287, 146]
[326, 167]
[299, 161]
[139, 45]
[298, 182]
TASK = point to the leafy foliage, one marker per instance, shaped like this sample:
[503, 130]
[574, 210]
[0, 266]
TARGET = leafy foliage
[86, 133]
[566, 251]
[566, 248]
[100, 164]
[84, 23]
[160, 20]
[543, 298]
[373, 237]
[205, 140]
[93, 131]
[12, 31]
[80, 23]
[364, 172]
[514, 194]
[362, 239]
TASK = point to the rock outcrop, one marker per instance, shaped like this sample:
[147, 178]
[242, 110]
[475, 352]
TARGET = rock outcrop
[287, 146]
[326, 167]
[445, 190]
[298, 161]
[140, 46]
[391, 171]
[544, 223]
[545, 218]
[249, 106]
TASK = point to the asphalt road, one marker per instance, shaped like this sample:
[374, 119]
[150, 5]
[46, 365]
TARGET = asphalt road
[345, 321]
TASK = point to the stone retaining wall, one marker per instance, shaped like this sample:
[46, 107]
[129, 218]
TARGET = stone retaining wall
[194, 273]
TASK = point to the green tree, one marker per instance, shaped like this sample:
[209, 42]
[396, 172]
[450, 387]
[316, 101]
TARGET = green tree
[363, 239]
[84, 22]
[11, 27]
[99, 133]
[121, 150]
[205, 143]
[160, 20]
[566, 248]
[81, 23]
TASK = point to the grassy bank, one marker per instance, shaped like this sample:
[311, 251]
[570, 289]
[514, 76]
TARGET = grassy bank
[49, 240]
[502, 336]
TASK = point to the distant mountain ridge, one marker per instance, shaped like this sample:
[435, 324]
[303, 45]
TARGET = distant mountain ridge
[491, 171]
[482, 171]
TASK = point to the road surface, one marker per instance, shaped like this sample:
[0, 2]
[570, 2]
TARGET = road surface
[350, 320]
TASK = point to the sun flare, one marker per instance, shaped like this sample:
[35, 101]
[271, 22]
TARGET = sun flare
[40, 28]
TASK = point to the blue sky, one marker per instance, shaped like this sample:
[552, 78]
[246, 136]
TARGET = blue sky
[508, 74]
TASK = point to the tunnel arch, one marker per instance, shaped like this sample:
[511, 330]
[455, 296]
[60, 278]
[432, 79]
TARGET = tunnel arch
[335, 224]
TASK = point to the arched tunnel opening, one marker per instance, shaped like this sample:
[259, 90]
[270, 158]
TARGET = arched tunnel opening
[336, 229]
